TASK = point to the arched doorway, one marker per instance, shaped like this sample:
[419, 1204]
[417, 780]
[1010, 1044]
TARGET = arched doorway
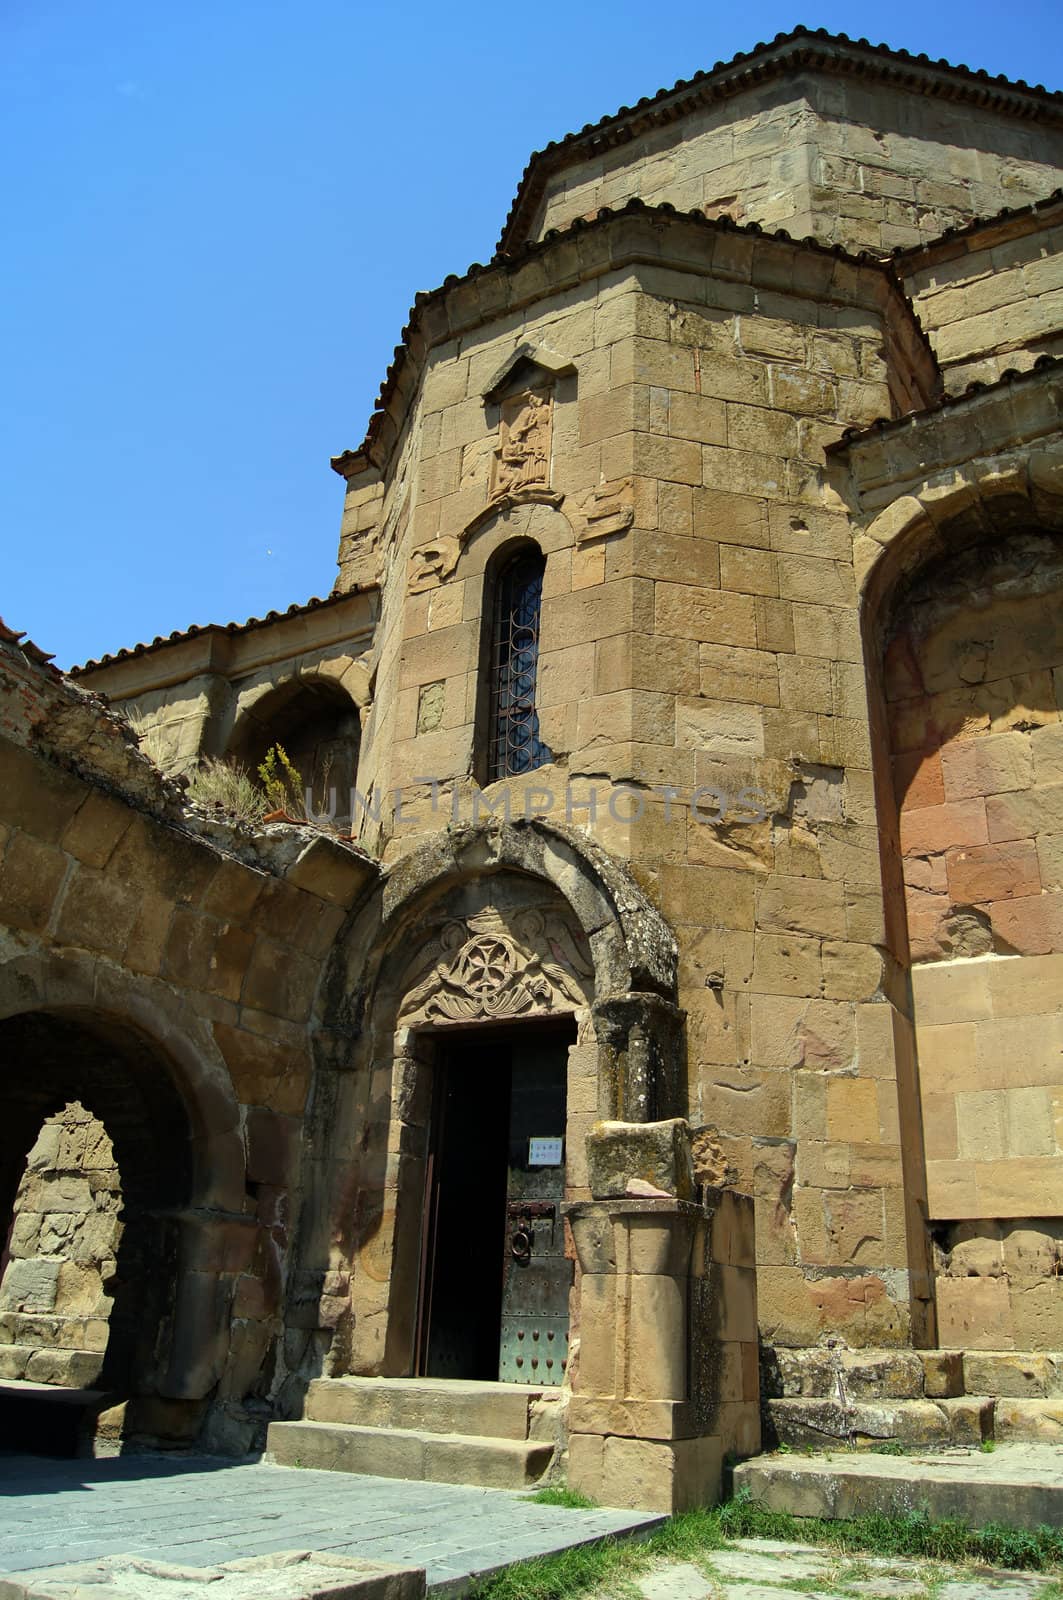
[505, 952]
[96, 1169]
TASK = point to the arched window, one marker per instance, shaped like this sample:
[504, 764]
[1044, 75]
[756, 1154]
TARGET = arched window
[514, 746]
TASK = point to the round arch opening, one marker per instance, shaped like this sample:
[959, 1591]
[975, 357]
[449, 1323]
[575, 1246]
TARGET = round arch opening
[90, 1278]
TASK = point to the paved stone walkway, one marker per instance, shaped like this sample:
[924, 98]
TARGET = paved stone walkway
[766, 1569]
[202, 1512]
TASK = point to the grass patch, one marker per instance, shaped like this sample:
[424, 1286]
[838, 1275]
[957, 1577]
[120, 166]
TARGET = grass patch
[911, 1533]
[694, 1535]
[560, 1496]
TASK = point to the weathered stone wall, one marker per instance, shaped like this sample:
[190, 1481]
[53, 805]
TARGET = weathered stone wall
[974, 679]
[849, 162]
[974, 674]
[65, 1234]
[961, 566]
[992, 300]
[999, 1285]
[705, 639]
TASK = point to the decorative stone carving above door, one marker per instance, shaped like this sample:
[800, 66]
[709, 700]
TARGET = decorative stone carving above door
[492, 967]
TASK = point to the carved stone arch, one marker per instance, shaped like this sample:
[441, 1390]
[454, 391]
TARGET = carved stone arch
[632, 949]
[480, 925]
[529, 365]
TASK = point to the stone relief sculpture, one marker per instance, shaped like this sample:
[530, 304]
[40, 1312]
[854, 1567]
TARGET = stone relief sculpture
[433, 562]
[491, 967]
[522, 455]
[606, 509]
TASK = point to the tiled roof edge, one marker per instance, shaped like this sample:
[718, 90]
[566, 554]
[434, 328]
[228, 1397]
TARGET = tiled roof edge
[858, 55]
[194, 632]
[26, 647]
[348, 462]
[910, 252]
[882, 425]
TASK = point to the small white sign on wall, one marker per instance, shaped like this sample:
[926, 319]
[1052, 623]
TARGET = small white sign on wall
[545, 1152]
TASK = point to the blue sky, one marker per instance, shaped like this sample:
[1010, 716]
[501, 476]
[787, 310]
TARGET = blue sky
[217, 215]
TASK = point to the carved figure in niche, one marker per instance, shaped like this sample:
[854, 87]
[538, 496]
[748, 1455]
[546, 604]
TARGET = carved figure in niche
[522, 455]
[488, 969]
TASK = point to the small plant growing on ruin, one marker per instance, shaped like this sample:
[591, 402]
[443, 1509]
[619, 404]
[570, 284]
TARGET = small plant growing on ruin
[282, 783]
[224, 787]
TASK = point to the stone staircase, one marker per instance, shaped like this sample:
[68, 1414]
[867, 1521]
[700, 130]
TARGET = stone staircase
[913, 1399]
[497, 1435]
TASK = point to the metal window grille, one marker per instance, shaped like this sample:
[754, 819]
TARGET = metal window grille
[515, 744]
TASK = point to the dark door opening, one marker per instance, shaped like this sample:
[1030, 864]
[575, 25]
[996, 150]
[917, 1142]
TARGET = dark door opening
[494, 1281]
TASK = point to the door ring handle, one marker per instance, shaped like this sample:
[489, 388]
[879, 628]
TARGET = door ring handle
[520, 1246]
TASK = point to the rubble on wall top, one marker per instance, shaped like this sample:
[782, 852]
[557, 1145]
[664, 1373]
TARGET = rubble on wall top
[350, 461]
[26, 647]
[315, 603]
[881, 425]
[804, 47]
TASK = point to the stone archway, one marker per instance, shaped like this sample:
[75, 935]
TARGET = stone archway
[521, 923]
[100, 1296]
[76, 1032]
[962, 609]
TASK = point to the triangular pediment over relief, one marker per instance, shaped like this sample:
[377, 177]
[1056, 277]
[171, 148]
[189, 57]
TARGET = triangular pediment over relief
[529, 366]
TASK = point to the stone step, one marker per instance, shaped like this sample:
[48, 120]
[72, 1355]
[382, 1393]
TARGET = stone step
[42, 1419]
[865, 1424]
[913, 1424]
[826, 1373]
[410, 1453]
[432, 1405]
[1021, 1485]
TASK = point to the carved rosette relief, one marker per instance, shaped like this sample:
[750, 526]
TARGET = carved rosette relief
[522, 454]
[493, 968]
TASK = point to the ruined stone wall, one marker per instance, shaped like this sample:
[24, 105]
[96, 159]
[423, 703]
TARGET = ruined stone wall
[64, 1238]
[850, 162]
[993, 300]
[192, 963]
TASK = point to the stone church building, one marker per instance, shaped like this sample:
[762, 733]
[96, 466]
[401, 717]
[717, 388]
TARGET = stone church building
[655, 1046]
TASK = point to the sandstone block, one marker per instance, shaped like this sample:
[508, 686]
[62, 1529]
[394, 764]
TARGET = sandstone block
[706, 615]
[95, 829]
[656, 1154]
[1007, 1374]
[994, 764]
[1025, 814]
[937, 828]
[942, 1373]
[1030, 925]
[974, 1314]
[30, 878]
